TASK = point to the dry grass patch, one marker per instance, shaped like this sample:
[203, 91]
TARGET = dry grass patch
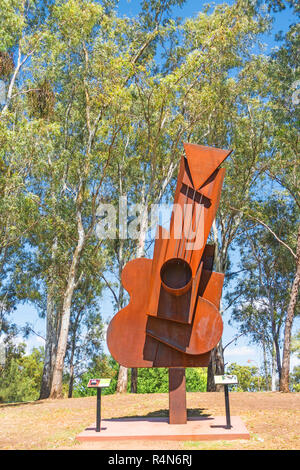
[273, 420]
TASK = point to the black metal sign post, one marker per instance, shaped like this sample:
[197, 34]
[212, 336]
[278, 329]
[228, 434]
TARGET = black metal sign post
[227, 408]
[98, 414]
[226, 380]
[98, 384]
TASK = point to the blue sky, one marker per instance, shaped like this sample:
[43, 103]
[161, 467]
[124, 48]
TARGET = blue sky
[191, 8]
[241, 351]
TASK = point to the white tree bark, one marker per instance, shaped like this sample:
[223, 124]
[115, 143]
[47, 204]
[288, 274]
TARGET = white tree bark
[122, 380]
[51, 330]
[285, 369]
[56, 388]
[273, 379]
[49, 347]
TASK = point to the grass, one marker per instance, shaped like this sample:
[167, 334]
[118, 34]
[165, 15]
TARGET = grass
[272, 420]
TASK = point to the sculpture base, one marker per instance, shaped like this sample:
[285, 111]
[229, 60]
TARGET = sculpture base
[196, 429]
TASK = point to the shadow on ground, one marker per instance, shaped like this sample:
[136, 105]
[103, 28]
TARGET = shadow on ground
[20, 403]
[164, 413]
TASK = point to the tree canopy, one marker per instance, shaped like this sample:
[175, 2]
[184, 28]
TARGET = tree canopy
[97, 108]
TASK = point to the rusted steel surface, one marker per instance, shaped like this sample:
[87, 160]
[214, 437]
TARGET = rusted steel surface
[177, 396]
[173, 317]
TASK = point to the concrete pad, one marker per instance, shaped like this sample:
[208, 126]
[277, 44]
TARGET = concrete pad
[196, 429]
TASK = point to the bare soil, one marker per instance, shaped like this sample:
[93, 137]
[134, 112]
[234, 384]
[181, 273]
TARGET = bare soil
[272, 419]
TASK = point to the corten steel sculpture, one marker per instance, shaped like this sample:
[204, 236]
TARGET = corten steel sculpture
[173, 317]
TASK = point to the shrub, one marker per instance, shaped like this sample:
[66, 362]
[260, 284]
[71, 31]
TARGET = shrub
[156, 380]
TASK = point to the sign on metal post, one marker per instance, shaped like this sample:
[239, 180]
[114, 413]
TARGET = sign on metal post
[226, 380]
[98, 384]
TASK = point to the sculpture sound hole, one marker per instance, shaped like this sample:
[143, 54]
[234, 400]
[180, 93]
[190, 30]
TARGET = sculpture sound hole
[176, 276]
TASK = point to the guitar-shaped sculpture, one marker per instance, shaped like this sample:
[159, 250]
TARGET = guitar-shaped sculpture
[173, 317]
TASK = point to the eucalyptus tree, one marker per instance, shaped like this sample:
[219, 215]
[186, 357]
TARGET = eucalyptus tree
[260, 293]
[100, 117]
[86, 331]
[281, 163]
[80, 95]
[89, 66]
[173, 101]
[228, 96]
[21, 31]
[78, 60]
[285, 168]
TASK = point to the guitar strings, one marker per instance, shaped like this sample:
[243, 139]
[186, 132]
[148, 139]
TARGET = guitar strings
[187, 238]
[191, 222]
[197, 223]
[177, 244]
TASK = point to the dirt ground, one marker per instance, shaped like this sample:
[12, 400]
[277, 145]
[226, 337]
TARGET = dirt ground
[272, 419]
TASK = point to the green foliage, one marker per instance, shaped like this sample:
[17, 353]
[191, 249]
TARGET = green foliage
[104, 367]
[279, 5]
[296, 344]
[259, 302]
[248, 377]
[295, 376]
[116, 126]
[20, 378]
[295, 379]
[152, 380]
[196, 378]
[156, 380]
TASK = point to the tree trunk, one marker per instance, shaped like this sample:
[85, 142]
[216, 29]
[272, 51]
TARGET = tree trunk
[12, 81]
[123, 371]
[273, 386]
[265, 362]
[140, 252]
[122, 380]
[275, 336]
[73, 346]
[285, 369]
[49, 348]
[134, 379]
[215, 367]
[57, 381]
[278, 360]
[51, 330]
[216, 364]
[71, 381]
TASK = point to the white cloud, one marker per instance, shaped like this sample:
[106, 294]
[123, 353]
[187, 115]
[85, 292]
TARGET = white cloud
[241, 351]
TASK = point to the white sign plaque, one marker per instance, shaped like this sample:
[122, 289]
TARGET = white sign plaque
[99, 383]
[226, 379]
